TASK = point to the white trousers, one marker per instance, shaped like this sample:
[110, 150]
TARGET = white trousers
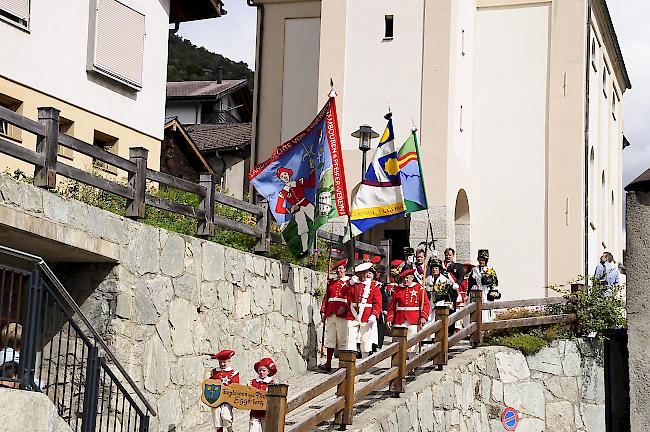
[222, 416]
[363, 331]
[411, 330]
[256, 425]
[301, 221]
[336, 332]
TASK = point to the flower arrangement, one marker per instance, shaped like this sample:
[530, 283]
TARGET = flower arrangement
[489, 278]
[439, 288]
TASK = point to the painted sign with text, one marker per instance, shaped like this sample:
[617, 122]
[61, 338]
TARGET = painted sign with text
[242, 397]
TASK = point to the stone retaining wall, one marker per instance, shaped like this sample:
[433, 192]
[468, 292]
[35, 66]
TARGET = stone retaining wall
[171, 300]
[559, 389]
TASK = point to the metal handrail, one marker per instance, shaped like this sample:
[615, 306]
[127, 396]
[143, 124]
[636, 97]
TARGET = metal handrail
[65, 295]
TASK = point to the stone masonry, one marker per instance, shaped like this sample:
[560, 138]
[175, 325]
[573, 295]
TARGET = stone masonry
[559, 389]
[169, 301]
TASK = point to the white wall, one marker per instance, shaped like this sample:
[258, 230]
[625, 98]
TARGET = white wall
[510, 101]
[52, 58]
[300, 79]
[379, 73]
[187, 112]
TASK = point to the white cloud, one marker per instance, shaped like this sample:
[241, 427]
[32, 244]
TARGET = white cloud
[232, 35]
[632, 26]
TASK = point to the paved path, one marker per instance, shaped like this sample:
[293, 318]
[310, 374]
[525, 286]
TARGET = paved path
[311, 378]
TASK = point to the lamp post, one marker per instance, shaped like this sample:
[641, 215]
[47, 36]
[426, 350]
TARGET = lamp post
[365, 135]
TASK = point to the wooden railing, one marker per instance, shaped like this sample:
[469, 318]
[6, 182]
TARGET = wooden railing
[48, 166]
[435, 352]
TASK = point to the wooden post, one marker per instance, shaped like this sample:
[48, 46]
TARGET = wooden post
[205, 226]
[276, 407]
[385, 245]
[400, 335]
[47, 145]
[137, 182]
[476, 296]
[347, 360]
[263, 223]
[442, 336]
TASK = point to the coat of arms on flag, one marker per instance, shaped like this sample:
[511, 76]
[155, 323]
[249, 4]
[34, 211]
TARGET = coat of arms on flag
[304, 181]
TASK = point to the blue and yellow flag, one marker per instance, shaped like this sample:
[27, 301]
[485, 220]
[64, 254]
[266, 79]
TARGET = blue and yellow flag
[379, 196]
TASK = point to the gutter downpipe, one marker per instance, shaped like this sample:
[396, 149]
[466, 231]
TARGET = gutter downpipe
[257, 84]
[586, 161]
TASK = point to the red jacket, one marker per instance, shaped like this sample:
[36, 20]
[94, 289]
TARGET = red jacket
[259, 384]
[408, 304]
[226, 376]
[336, 296]
[369, 301]
[295, 194]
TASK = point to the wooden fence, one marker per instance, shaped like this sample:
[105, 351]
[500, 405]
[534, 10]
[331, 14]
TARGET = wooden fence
[341, 407]
[47, 166]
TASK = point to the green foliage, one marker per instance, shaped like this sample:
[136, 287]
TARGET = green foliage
[598, 308]
[187, 62]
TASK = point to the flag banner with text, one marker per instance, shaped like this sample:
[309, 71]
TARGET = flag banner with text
[304, 181]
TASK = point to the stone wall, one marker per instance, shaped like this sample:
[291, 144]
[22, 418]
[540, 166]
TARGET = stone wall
[22, 411]
[559, 389]
[169, 301]
[638, 313]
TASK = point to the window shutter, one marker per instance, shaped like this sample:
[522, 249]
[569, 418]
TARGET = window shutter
[119, 41]
[19, 8]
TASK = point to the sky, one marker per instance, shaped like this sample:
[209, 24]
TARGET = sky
[233, 36]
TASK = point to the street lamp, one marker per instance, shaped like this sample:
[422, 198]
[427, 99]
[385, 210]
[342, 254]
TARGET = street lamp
[365, 135]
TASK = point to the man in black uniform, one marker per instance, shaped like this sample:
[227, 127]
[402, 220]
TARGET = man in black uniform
[451, 269]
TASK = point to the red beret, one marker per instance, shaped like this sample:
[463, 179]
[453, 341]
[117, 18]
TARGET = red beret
[284, 170]
[407, 272]
[396, 263]
[223, 355]
[343, 262]
[267, 363]
[376, 259]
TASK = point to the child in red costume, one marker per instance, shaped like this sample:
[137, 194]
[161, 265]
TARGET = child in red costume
[222, 415]
[265, 369]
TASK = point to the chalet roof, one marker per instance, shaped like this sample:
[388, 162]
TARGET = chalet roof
[221, 137]
[174, 125]
[203, 89]
[640, 184]
[184, 10]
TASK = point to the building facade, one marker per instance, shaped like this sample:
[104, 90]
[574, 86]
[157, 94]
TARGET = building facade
[501, 92]
[102, 63]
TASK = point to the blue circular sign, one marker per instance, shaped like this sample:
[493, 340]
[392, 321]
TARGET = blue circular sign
[510, 419]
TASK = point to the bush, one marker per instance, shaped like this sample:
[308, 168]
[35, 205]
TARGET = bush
[528, 344]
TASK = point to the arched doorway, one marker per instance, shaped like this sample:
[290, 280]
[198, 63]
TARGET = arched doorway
[462, 227]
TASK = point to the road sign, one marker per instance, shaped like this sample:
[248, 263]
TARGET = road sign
[509, 419]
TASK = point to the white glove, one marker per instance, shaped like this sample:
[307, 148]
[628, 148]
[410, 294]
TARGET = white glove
[354, 280]
[455, 286]
[372, 319]
[429, 281]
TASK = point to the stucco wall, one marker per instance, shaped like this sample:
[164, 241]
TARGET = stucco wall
[559, 389]
[638, 313]
[169, 301]
[57, 42]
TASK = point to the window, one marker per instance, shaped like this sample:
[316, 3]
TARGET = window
[615, 99]
[388, 28]
[593, 55]
[108, 143]
[15, 11]
[605, 76]
[461, 118]
[66, 127]
[6, 129]
[462, 41]
[118, 41]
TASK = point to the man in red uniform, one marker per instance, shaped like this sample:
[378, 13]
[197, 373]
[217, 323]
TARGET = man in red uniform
[265, 369]
[410, 305]
[222, 415]
[293, 193]
[332, 312]
[364, 307]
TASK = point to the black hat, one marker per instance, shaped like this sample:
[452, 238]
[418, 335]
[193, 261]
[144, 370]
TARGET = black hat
[436, 263]
[408, 250]
[483, 254]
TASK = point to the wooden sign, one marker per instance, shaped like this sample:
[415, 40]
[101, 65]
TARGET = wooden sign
[242, 397]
